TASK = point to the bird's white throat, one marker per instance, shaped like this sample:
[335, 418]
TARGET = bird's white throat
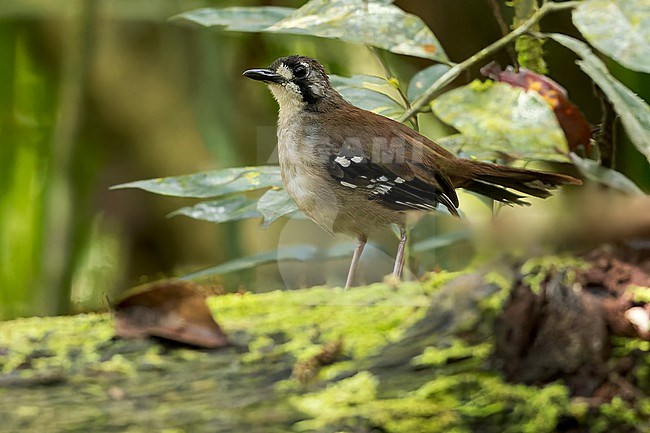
[289, 98]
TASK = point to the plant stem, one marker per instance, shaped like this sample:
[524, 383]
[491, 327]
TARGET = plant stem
[389, 75]
[498, 15]
[452, 73]
[606, 138]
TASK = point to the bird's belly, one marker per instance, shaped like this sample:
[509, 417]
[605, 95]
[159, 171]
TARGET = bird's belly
[311, 191]
[304, 168]
[334, 210]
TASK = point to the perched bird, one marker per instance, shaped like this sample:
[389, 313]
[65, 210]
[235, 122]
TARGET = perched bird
[354, 171]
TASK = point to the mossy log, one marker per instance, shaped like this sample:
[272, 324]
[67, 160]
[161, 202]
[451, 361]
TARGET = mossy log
[452, 353]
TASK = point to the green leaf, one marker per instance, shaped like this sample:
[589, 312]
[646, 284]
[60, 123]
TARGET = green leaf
[440, 241]
[220, 211]
[242, 19]
[274, 204]
[423, 80]
[294, 252]
[634, 112]
[612, 178]
[368, 92]
[377, 24]
[211, 183]
[298, 253]
[496, 117]
[618, 28]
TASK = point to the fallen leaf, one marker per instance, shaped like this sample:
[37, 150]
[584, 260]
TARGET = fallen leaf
[171, 309]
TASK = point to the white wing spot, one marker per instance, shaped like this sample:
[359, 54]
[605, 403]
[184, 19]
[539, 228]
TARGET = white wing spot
[383, 178]
[349, 185]
[382, 189]
[357, 159]
[399, 180]
[342, 161]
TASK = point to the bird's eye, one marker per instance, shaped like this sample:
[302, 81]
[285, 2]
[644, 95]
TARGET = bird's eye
[300, 71]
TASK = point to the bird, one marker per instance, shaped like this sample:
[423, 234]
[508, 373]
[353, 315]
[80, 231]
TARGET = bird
[353, 171]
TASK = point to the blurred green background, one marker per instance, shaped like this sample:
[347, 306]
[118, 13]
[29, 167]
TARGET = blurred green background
[99, 92]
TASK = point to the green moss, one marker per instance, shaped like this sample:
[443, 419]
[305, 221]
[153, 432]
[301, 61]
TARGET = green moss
[640, 294]
[493, 305]
[530, 51]
[539, 269]
[620, 415]
[481, 86]
[437, 344]
[455, 350]
[530, 54]
[461, 403]
[295, 324]
[53, 343]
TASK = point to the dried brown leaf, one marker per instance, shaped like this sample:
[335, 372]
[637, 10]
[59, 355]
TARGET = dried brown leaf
[171, 309]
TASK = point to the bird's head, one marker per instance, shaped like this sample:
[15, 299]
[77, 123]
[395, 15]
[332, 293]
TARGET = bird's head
[295, 81]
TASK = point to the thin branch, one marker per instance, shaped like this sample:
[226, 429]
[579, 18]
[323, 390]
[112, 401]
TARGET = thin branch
[606, 137]
[452, 73]
[503, 26]
[389, 75]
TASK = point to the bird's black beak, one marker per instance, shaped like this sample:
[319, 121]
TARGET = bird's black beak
[266, 75]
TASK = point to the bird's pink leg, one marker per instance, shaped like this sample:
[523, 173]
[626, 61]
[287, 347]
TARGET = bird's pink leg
[399, 258]
[355, 260]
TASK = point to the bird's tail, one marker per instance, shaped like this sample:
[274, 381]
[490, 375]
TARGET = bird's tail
[498, 181]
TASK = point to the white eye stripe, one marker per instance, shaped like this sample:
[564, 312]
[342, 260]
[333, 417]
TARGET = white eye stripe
[285, 72]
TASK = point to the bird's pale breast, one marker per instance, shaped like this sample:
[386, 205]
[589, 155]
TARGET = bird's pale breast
[304, 152]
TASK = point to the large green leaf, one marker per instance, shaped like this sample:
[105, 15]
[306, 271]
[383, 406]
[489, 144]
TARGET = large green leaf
[294, 252]
[424, 79]
[612, 178]
[440, 241]
[307, 253]
[368, 92]
[377, 24]
[211, 183]
[634, 112]
[299, 253]
[618, 28]
[497, 117]
[223, 210]
[274, 204]
[242, 19]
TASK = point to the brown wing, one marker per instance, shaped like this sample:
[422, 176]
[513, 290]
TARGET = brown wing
[398, 167]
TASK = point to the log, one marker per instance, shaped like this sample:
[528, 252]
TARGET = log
[525, 345]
